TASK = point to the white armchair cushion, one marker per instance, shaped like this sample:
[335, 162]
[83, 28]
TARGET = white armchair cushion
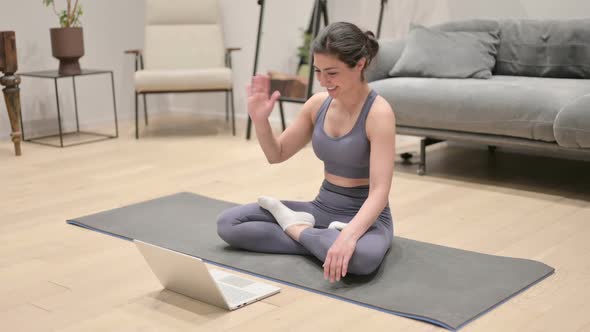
[182, 12]
[183, 46]
[183, 80]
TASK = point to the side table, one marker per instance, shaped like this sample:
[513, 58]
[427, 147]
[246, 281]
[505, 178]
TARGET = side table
[53, 74]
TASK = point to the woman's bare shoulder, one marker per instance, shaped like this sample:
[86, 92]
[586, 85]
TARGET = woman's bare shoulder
[317, 99]
[381, 109]
[313, 104]
[381, 117]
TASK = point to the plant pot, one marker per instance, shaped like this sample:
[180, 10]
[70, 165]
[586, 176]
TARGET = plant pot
[67, 45]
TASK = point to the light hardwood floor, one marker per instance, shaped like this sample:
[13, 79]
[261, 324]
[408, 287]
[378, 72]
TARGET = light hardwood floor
[54, 276]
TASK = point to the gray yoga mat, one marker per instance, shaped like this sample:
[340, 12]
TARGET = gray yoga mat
[441, 285]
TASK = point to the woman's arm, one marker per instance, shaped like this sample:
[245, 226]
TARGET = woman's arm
[381, 133]
[295, 137]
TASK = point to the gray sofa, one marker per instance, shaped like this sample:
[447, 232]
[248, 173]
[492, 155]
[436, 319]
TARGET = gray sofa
[538, 95]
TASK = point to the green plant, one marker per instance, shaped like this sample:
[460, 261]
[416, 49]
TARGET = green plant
[303, 50]
[69, 17]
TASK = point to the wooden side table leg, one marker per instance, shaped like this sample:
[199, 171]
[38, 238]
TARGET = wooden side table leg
[12, 99]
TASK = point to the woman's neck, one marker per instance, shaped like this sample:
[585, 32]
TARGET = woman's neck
[354, 97]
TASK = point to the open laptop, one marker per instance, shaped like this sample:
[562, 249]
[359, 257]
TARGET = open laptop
[189, 276]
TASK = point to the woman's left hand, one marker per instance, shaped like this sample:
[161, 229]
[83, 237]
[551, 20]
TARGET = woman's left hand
[339, 254]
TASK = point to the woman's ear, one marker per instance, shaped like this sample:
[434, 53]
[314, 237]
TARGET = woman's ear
[361, 64]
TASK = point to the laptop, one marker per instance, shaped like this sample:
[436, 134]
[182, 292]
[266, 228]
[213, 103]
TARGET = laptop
[189, 276]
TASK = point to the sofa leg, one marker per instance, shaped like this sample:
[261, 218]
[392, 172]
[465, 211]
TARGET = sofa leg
[491, 149]
[423, 144]
[421, 169]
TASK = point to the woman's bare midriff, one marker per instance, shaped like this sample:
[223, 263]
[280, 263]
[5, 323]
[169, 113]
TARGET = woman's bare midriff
[345, 182]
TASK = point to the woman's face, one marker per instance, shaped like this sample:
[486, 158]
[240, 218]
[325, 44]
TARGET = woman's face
[336, 76]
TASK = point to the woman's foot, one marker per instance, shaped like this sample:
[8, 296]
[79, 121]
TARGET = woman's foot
[337, 225]
[285, 216]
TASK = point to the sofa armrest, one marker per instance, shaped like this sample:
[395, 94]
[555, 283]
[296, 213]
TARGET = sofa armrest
[390, 50]
[572, 124]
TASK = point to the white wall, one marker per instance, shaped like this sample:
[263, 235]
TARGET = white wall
[400, 13]
[112, 26]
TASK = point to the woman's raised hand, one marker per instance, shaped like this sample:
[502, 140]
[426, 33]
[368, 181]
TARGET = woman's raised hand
[260, 104]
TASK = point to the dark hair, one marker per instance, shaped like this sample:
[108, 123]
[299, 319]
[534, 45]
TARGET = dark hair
[347, 42]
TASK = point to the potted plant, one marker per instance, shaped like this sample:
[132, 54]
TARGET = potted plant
[303, 53]
[67, 42]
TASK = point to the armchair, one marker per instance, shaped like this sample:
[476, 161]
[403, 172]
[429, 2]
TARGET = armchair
[183, 53]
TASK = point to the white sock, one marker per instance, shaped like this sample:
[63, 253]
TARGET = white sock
[285, 216]
[337, 225]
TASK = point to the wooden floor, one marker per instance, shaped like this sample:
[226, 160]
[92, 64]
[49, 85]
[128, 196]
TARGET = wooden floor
[54, 276]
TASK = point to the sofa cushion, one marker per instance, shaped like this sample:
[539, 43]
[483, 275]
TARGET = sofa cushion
[514, 106]
[390, 50]
[435, 53]
[473, 25]
[544, 48]
[572, 125]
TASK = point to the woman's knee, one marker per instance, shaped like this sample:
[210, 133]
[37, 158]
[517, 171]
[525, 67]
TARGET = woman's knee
[365, 261]
[225, 223]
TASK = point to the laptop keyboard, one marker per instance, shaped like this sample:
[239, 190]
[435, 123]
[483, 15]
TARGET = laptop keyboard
[234, 295]
[237, 281]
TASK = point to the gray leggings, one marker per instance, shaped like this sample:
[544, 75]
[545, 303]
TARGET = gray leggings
[253, 228]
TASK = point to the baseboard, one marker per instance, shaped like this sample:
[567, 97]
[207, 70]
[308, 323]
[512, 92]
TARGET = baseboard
[43, 127]
[274, 118]
[49, 126]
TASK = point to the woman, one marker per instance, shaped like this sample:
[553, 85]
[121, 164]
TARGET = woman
[349, 225]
